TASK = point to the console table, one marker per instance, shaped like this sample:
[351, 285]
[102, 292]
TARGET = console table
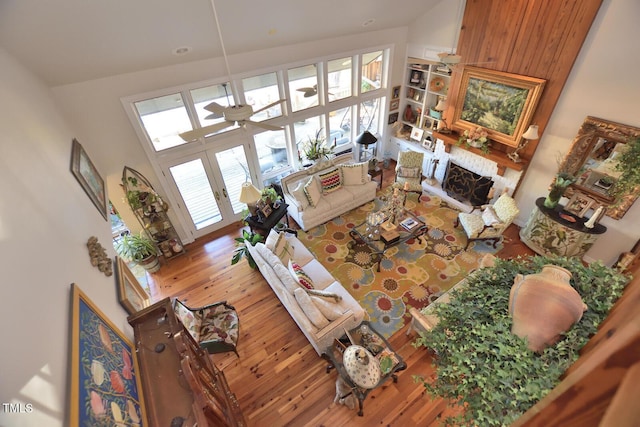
[555, 232]
[263, 225]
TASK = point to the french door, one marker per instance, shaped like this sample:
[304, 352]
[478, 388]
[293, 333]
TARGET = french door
[208, 183]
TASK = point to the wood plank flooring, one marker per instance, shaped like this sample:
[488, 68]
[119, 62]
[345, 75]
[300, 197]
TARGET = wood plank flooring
[279, 380]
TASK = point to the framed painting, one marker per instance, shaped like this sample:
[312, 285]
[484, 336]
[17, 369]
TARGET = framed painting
[105, 387]
[579, 204]
[395, 93]
[393, 117]
[394, 104]
[130, 294]
[416, 134]
[503, 103]
[87, 175]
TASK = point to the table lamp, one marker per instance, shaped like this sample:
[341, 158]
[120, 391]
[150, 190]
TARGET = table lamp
[530, 134]
[249, 195]
[442, 127]
[361, 366]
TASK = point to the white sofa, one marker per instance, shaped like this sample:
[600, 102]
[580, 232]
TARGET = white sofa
[327, 190]
[347, 313]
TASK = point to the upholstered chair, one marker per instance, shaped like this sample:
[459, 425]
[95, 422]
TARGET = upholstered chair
[488, 222]
[215, 327]
[409, 171]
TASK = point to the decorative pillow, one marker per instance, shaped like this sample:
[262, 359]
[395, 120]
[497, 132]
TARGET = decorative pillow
[288, 281]
[300, 196]
[272, 239]
[404, 172]
[309, 308]
[299, 274]
[490, 217]
[354, 174]
[330, 310]
[330, 181]
[312, 191]
[283, 249]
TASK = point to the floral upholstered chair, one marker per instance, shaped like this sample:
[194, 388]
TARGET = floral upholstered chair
[409, 171]
[490, 222]
[215, 327]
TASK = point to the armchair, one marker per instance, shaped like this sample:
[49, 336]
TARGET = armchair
[490, 222]
[409, 171]
[215, 326]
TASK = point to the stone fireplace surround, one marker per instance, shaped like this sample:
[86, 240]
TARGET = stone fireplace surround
[472, 162]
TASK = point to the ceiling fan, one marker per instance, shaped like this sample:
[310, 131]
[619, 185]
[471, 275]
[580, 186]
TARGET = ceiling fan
[233, 114]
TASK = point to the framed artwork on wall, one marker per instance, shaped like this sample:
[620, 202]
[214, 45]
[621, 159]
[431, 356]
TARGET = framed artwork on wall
[393, 117]
[104, 369]
[87, 175]
[394, 104]
[503, 103]
[130, 294]
[395, 93]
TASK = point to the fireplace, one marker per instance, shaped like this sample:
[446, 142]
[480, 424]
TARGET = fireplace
[466, 186]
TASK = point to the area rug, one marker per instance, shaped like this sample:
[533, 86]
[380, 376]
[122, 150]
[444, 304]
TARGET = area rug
[412, 274]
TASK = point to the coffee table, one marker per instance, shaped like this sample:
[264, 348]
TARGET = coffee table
[366, 336]
[375, 239]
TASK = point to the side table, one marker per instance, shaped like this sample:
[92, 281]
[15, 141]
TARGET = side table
[367, 337]
[264, 225]
[553, 232]
[377, 171]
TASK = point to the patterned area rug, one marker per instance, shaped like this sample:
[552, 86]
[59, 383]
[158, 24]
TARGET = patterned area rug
[413, 274]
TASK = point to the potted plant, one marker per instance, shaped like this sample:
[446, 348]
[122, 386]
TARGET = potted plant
[140, 249]
[247, 238]
[629, 167]
[483, 366]
[316, 148]
[270, 195]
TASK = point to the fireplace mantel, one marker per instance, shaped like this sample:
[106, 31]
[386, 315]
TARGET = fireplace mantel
[499, 157]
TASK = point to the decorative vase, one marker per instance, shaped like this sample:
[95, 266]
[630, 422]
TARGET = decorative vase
[543, 306]
[553, 198]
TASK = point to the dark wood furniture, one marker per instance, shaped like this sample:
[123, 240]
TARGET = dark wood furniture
[260, 224]
[377, 171]
[181, 386]
[367, 337]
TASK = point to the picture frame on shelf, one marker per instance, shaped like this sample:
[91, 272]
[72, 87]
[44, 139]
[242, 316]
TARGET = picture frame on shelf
[130, 294]
[481, 90]
[266, 210]
[103, 363]
[579, 205]
[429, 123]
[395, 92]
[416, 134]
[393, 117]
[88, 176]
[394, 104]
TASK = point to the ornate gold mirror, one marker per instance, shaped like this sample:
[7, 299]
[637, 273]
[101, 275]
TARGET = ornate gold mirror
[592, 160]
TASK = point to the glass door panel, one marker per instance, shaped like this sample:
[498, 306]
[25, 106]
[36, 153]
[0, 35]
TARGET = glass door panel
[234, 169]
[197, 193]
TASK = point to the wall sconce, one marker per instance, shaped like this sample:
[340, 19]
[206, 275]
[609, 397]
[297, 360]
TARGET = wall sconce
[529, 135]
[442, 127]
[249, 195]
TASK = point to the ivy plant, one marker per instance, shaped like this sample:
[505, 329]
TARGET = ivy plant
[482, 366]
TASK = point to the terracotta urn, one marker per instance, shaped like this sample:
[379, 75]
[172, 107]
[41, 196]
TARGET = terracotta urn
[543, 306]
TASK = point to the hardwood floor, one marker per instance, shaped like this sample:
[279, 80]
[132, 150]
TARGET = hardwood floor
[279, 380]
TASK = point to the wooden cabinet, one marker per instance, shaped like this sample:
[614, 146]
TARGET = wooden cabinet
[181, 386]
[426, 83]
[151, 211]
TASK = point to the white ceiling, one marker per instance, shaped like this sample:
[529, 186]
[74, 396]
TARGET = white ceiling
[68, 41]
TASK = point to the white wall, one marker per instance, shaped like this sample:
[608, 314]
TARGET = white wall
[603, 83]
[45, 221]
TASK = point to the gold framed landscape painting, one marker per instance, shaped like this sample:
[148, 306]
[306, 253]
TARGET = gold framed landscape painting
[105, 383]
[130, 294]
[502, 103]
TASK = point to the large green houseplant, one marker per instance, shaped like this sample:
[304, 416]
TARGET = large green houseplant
[629, 167]
[140, 249]
[316, 148]
[481, 365]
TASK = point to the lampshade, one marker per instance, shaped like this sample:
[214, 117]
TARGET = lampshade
[361, 366]
[249, 193]
[531, 133]
[440, 106]
[366, 138]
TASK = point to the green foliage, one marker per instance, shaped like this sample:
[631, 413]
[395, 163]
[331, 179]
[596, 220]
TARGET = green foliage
[315, 148]
[269, 195]
[629, 165]
[481, 365]
[136, 247]
[241, 247]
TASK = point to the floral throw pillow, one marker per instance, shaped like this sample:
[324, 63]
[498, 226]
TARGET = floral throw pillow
[300, 275]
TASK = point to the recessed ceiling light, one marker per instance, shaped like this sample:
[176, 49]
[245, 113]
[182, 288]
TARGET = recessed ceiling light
[368, 22]
[182, 50]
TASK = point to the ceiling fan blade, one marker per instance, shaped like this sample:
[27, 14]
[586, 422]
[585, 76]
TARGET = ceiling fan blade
[204, 131]
[309, 91]
[214, 116]
[215, 108]
[270, 105]
[261, 125]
